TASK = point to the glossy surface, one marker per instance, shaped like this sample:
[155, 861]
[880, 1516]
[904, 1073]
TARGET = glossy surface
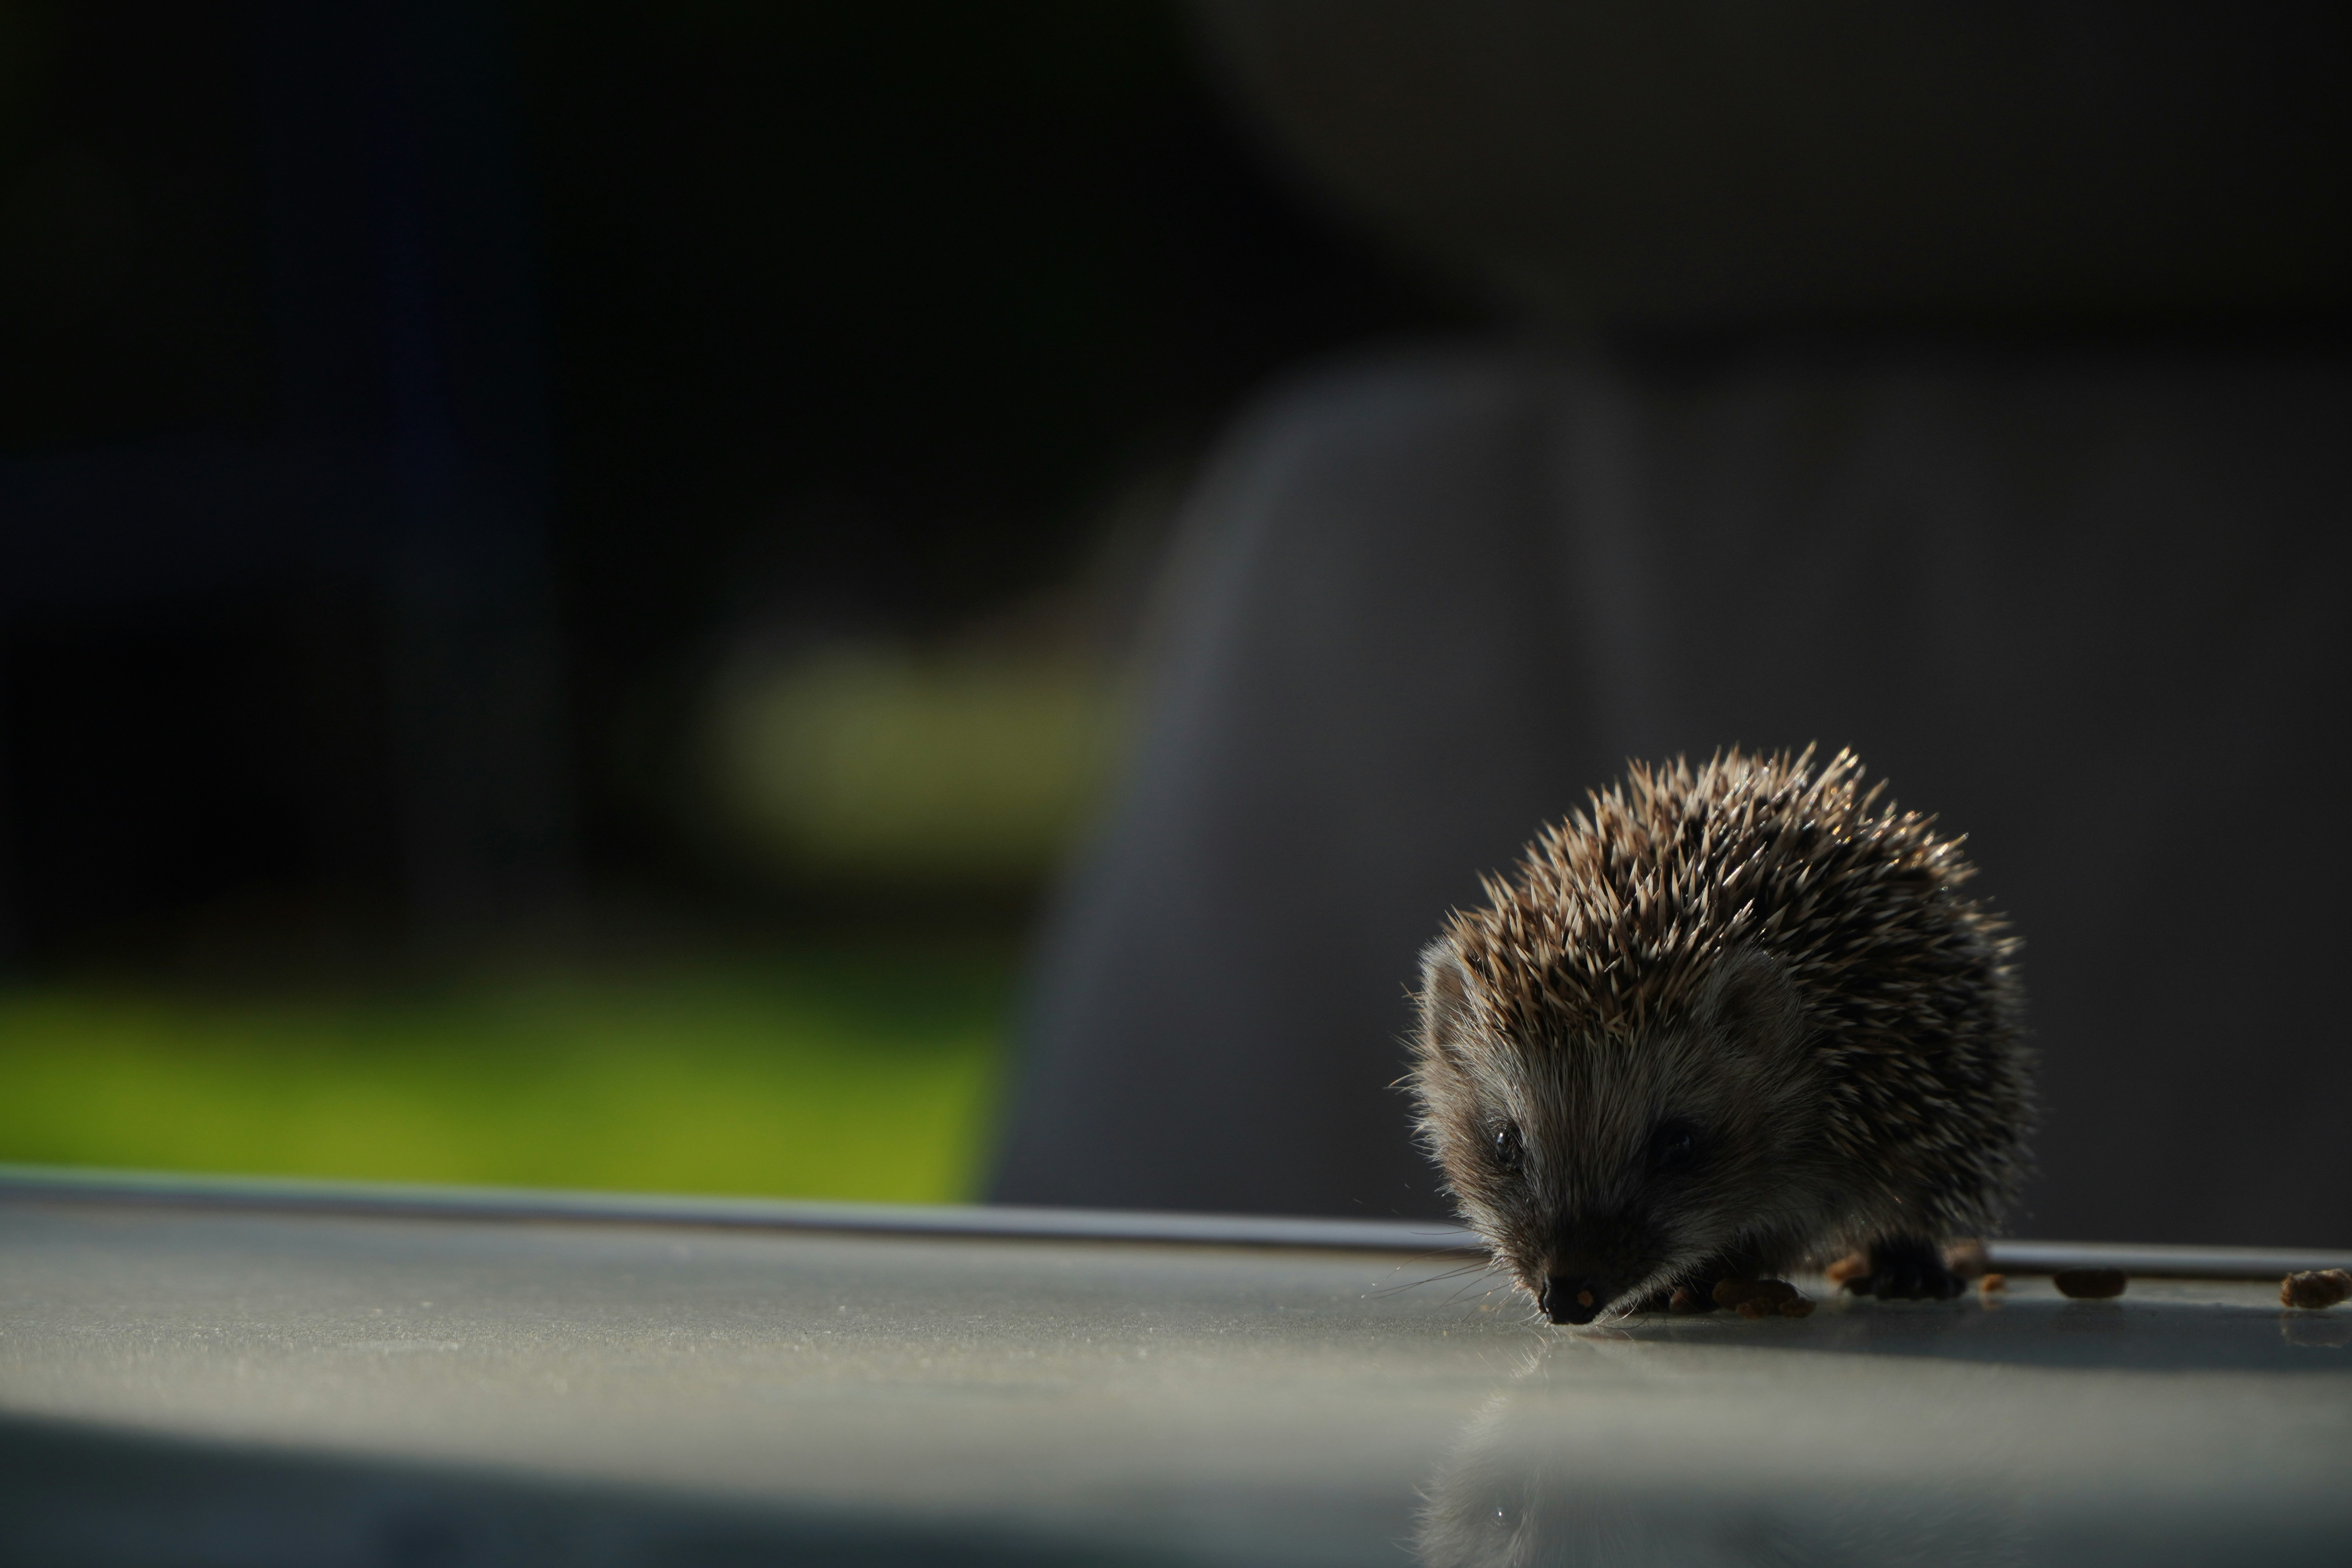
[1104, 1400]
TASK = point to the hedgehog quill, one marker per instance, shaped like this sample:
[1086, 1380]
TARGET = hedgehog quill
[1728, 1021]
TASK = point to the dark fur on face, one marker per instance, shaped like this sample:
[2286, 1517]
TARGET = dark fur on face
[1728, 1020]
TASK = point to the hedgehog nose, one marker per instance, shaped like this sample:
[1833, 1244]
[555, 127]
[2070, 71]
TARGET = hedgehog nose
[1573, 1297]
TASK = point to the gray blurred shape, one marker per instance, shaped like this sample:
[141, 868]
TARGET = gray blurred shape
[1966, 387]
[2087, 605]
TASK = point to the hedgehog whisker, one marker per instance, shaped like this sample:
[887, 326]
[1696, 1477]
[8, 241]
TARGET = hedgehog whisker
[1470, 1268]
[1459, 1294]
[1462, 1293]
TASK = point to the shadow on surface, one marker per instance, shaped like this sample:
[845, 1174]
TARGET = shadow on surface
[2147, 1336]
[82, 1497]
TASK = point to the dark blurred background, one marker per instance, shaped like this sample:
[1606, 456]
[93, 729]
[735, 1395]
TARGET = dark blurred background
[566, 571]
[571, 577]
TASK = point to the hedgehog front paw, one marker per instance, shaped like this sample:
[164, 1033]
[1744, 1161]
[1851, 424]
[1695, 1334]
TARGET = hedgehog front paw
[1695, 1291]
[1906, 1269]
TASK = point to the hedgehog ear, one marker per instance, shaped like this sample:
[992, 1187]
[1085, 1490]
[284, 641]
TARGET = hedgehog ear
[1751, 1004]
[1449, 1002]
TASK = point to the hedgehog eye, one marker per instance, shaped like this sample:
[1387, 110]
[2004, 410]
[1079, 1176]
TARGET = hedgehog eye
[1508, 1150]
[1673, 1145]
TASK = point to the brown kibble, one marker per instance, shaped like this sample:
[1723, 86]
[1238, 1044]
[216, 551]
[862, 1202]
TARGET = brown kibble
[1992, 1284]
[1761, 1297]
[2090, 1284]
[2315, 1288]
[1767, 1293]
[1852, 1266]
[1967, 1258]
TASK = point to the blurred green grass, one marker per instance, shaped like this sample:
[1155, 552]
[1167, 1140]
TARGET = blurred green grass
[822, 1077]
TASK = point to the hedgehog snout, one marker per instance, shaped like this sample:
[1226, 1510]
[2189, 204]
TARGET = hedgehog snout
[1589, 1264]
[1576, 1298]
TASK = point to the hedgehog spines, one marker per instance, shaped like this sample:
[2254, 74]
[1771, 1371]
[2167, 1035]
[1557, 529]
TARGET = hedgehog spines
[1613, 918]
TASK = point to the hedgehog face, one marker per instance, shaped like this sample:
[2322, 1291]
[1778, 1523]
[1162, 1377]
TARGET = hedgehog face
[1604, 1166]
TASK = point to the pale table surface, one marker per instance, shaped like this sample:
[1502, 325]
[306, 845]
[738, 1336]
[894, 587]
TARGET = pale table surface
[193, 1385]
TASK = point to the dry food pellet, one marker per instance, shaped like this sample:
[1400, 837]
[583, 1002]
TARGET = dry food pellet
[1802, 1307]
[2090, 1284]
[1752, 1309]
[1992, 1283]
[1852, 1266]
[1767, 1293]
[2314, 1287]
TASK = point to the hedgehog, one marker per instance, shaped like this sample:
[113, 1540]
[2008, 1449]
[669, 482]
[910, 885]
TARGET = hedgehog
[1728, 1021]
